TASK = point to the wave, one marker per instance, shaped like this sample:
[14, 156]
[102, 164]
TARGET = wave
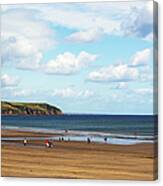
[99, 137]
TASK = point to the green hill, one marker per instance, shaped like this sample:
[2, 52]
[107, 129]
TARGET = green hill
[18, 108]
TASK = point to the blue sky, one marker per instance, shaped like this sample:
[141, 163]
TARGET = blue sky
[82, 57]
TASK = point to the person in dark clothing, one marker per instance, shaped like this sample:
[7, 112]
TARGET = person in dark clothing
[88, 140]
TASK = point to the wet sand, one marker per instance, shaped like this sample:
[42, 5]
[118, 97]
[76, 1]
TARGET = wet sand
[76, 159]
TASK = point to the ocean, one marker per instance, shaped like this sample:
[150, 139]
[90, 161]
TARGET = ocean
[118, 129]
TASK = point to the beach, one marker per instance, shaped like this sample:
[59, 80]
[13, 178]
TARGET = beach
[75, 159]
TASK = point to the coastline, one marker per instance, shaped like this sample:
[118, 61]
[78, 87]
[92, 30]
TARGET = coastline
[81, 136]
[76, 159]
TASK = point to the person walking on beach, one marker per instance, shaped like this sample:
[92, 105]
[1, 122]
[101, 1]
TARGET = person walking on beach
[88, 140]
[48, 144]
[25, 142]
[105, 139]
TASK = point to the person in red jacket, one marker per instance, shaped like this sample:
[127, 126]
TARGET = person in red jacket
[47, 143]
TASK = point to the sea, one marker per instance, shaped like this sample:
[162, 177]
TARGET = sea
[111, 129]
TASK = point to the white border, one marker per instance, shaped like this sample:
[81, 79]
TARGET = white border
[52, 1]
[57, 182]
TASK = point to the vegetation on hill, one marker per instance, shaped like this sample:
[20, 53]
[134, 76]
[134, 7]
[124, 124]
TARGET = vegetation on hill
[18, 108]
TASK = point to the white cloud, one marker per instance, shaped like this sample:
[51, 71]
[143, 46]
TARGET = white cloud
[140, 23]
[146, 74]
[24, 38]
[105, 16]
[149, 37]
[143, 91]
[122, 85]
[22, 93]
[81, 20]
[9, 81]
[85, 36]
[111, 17]
[125, 72]
[141, 57]
[68, 63]
[22, 52]
[72, 93]
[26, 23]
[117, 73]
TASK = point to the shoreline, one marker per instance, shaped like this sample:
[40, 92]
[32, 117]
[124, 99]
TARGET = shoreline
[76, 159]
[97, 137]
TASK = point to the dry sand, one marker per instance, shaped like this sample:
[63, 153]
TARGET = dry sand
[77, 160]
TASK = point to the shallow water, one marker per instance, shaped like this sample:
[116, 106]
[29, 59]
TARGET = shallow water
[119, 129]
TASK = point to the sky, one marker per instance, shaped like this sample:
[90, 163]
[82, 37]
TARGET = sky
[81, 57]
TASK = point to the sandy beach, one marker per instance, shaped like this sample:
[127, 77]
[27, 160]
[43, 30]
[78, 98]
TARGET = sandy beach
[69, 159]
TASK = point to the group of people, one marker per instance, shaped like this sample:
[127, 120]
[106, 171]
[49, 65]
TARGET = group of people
[48, 143]
[89, 140]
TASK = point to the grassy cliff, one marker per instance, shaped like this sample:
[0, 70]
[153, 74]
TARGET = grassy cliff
[18, 108]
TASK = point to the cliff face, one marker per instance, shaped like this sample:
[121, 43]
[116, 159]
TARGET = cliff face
[11, 108]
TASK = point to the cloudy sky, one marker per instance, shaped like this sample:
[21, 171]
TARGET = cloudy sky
[82, 57]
